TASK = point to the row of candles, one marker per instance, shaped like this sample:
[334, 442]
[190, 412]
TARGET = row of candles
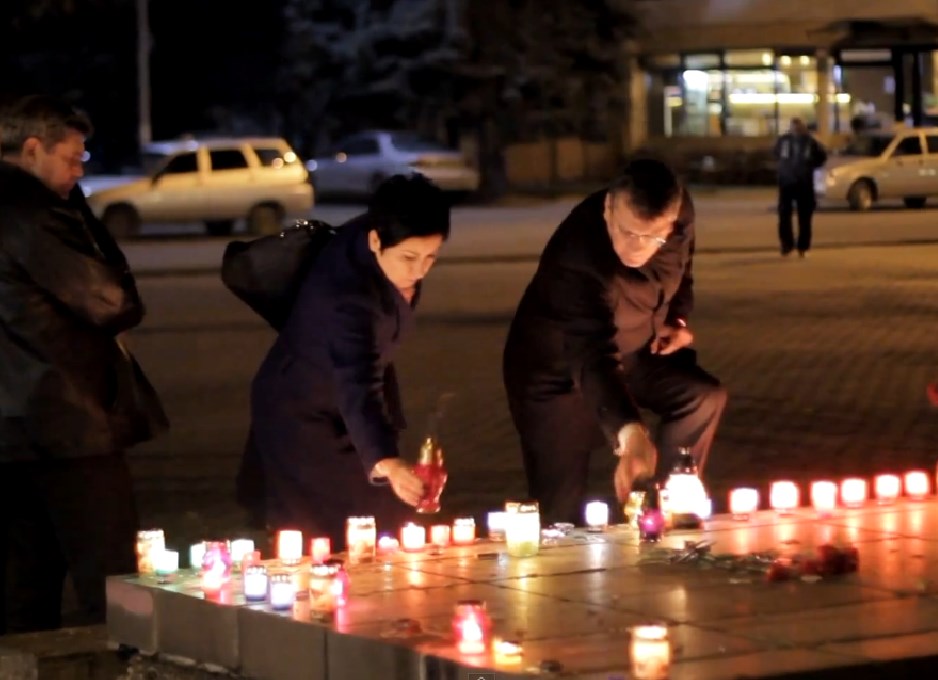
[825, 496]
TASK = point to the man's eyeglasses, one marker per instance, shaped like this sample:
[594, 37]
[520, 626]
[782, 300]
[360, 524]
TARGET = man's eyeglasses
[644, 239]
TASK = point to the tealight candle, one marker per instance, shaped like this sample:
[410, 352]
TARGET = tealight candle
[495, 521]
[328, 586]
[255, 582]
[784, 496]
[241, 548]
[824, 497]
[361, 535]
[471, 627]
[597, 516]
[150, 543]
[320, 549]
[887, 488]
[439, 535]
[290, 546]
[464, 531]
[853, 492]
[281, 590]
[743, 503]
[650, 652]
[917, 485]
[413, 537]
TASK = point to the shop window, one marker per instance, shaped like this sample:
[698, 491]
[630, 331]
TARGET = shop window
[754, 58]
[701, 62]
[702, 103]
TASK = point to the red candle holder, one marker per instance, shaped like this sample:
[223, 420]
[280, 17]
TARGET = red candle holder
[216, 566]
[651, 526]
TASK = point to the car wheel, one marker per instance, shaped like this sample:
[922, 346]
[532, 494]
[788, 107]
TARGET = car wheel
[265, 219]
[122, 220]
[916, 202]
[861, 195]
[219, 227]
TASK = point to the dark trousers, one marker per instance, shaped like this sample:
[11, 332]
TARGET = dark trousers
[802, 196]
[558, 434]
[75, 517]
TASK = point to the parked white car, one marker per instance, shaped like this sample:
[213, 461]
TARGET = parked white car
[216, 181]
[361, 162]
[898, 164]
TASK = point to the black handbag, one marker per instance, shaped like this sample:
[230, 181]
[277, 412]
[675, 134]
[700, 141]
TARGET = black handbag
[266, 273]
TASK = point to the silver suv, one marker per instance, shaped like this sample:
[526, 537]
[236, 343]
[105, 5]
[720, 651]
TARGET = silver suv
[215, 181]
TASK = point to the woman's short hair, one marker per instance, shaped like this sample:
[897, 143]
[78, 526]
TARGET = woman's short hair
[405, 206]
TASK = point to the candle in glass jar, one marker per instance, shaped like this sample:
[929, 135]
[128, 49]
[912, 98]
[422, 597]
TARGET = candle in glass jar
[281, 590]
[320, 549]
[439, 535]
[249, 559]
[650, 652]
[784, 496]
[255, 582]
[197, 554]
[917, 485]
[328, 586]
[388, 545]
[413, 537]
[361, 535]
[290, 546]
[824, 497]
[464, 531]
[150, 543]
[166, 563]
[241, 548]
[886, 488]
[522, 528]
[471, 627]
[597, 516]
[853, 492]
[495, 522]
[743, 503]
[216, 566]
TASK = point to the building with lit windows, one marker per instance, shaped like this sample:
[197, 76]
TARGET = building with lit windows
[731, 74]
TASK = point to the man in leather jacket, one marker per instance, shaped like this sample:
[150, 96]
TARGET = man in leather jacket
[603, 330]
[72, 399]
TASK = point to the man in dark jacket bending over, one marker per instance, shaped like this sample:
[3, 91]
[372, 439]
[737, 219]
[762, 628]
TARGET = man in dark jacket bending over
[71, 398]
[601, 331]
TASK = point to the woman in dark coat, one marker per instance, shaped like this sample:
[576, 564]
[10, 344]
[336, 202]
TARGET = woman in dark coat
[325, 404]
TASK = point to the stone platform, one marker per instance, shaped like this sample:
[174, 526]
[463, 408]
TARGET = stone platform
[573, 605]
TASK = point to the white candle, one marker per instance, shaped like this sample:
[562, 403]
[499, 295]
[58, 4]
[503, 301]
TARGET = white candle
[824, 497]
[361, 535]
[282, 590]
[784, 496]
[149, 544]
[166, 563]
[522, 529]
[439, 535]
[853, 492]
[496, 525]
[196, 555]
[917, 485]
[597, 516]
[464, 531]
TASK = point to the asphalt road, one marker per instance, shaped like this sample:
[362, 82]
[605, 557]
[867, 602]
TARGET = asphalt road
[825, 359]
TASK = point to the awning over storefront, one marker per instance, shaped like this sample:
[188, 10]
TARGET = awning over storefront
[895, 33]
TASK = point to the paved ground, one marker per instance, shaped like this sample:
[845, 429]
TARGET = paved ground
[825, 359]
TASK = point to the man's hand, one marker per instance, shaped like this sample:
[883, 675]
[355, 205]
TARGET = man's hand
[671, 339]
[637, 459]
[406, 485]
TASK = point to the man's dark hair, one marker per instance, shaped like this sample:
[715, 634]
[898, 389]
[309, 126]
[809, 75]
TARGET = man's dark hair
[406, 206]
[49, 119]
[650, 184]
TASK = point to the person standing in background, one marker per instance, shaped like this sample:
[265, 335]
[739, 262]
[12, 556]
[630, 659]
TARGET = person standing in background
[798, 155]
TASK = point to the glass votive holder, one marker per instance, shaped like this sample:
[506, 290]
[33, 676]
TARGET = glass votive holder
[255, 582]
[464, 531]
[241, 548]
[650, 652]
[744, 502]
[165, 565]
[824, 497]
[439, 535]
[854, 492]
[917, 485]
[784, 496]
[361, 535]
[597, 516]
[281, 590]
[320, 549]
[522, 528]
[197, 554]
[495, 523]
[328, 585]
[150, 543]
[413, 537]
[471, 627]
[290, 546]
